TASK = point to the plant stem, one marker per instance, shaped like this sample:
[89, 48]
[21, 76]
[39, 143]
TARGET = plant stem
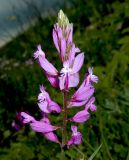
[64, 132]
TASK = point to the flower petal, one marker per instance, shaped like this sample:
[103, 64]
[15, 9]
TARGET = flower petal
[62, 81]
[93, 77]
[48, 67]
[70, 36]
[55, 38]
[27, 118]
[77, 103]
[39, 52]
[53, 80]
[44, 107]
[51, 137]
[81, 116]
[78, 62]
[93, 108]
[54, 107]
[42, 127]
[73, 80]
[90, 105]
[62, 48]
[83, 93]
[76, 137]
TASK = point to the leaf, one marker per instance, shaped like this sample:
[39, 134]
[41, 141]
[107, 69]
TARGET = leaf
[124, 40]
[94, 154]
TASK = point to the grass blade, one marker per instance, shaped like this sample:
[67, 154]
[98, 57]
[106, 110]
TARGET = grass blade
[94, 154]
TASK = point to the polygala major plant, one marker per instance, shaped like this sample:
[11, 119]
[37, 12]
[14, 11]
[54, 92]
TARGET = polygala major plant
[72, 60]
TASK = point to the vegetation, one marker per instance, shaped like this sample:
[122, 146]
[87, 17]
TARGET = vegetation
[101, 30]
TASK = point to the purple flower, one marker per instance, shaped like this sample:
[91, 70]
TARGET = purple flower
[62, 38]
[69, 73]
[81, 96]
[45, 102]
[50, 71]
[27, 118]
[53, 80]
[48, 67]
[91, 77]
[81, 116]
[17, 124]
[39, 53]
[76, 137]
[90, 106]
[37, 126]
[51, 136]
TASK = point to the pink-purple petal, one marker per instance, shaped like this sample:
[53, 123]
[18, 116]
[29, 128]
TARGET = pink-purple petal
[51, 137]
[56, 40]
[63, 48]
[76, 137]
[93, 108]
[54, 107]
[44, 107]
[42, 127]
[73, 80]
[77, 103]
[62, 79]
[39, 52]
[27, 118]
[83, 93]
[81, 116]
[48, 67]
[78, 62]
[70, 35]
[53, 80]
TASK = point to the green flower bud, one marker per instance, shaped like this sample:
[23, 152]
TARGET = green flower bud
[63, 20]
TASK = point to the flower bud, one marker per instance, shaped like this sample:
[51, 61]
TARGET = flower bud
[63, 20]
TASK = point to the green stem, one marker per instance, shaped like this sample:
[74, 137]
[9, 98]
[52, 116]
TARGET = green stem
[64, 140]
[64, 130]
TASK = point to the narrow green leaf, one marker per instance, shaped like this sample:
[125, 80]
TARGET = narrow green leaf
[94, 154]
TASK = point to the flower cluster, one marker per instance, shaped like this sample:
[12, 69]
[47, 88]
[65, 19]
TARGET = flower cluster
[72, 60]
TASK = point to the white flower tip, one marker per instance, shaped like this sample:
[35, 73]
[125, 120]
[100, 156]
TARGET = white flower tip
[41, 87]
[90, 70]
[39, 47]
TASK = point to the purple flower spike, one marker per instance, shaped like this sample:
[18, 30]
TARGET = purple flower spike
[81, 116]
[76, 137]
[72, 60]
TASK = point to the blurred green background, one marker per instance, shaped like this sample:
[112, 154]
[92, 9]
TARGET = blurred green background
[101, 30]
